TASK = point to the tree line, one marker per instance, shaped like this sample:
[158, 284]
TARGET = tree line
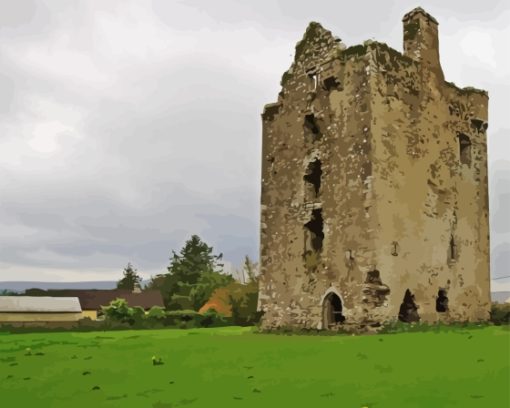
[193, 275]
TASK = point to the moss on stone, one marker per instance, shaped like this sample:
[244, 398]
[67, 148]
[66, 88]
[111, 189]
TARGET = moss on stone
[388, 57]
[393, 54]
[312, 32]
[465, 91]
[312, 260]
[285, 78]
[355, 50]
[410, 30]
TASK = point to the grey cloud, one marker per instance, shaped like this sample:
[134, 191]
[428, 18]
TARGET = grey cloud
[500, 262]
[23, 18]
[88, 230]
[170, 146]
[502, 216]
[499, 190]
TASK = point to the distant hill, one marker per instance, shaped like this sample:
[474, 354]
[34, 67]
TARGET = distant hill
[21, 286]
[500, 297]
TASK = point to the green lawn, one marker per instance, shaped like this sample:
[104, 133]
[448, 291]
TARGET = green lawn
[234, 367]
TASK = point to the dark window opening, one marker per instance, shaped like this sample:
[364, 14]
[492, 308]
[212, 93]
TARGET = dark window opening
[464, 149]
[333, 311]
[331, 83]
[374, 277]
[408, 312]
[477, 124]
[311, 127]
[441, 301]
[313, 175]
[315, 229]
[452, 250]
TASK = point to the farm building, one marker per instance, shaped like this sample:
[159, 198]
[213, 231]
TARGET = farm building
[31, 310]
[92, 300]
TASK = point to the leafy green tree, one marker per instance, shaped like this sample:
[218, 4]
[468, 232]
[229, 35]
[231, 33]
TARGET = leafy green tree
[118, 310]
[156, 282]
[206, 285]
[193, 274]
[130, 279]
[194, 259]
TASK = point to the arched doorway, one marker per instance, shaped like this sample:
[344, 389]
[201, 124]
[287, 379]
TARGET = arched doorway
[332, 311]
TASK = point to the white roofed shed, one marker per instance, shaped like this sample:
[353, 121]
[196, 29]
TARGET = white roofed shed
[25, 309]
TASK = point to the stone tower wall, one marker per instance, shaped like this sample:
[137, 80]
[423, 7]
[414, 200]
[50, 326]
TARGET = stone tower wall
[381, 131]
[425, 195]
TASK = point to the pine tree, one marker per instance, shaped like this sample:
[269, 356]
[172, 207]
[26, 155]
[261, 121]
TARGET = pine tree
[194, 259]
[130, 279]
[193, 274]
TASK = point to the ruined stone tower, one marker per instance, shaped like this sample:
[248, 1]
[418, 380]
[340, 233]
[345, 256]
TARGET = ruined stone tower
[374, 187]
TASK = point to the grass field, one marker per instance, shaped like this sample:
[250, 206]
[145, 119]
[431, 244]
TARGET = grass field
[235, 367]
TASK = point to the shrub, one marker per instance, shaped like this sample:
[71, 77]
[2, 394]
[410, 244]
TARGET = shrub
[180, 302]
[185, 315]
[500, 313]
[211, 318]
[137, 314]
[118, 310]
[243, 299]
[183, 318]
[156, 313]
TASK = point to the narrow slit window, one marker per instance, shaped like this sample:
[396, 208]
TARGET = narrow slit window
[464, 149]
[452, 250]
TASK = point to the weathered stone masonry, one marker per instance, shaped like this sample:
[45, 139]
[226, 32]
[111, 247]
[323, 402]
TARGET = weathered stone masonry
[374, 187]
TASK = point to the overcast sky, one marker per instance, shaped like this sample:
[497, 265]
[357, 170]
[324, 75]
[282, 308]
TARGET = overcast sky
[127, 126]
